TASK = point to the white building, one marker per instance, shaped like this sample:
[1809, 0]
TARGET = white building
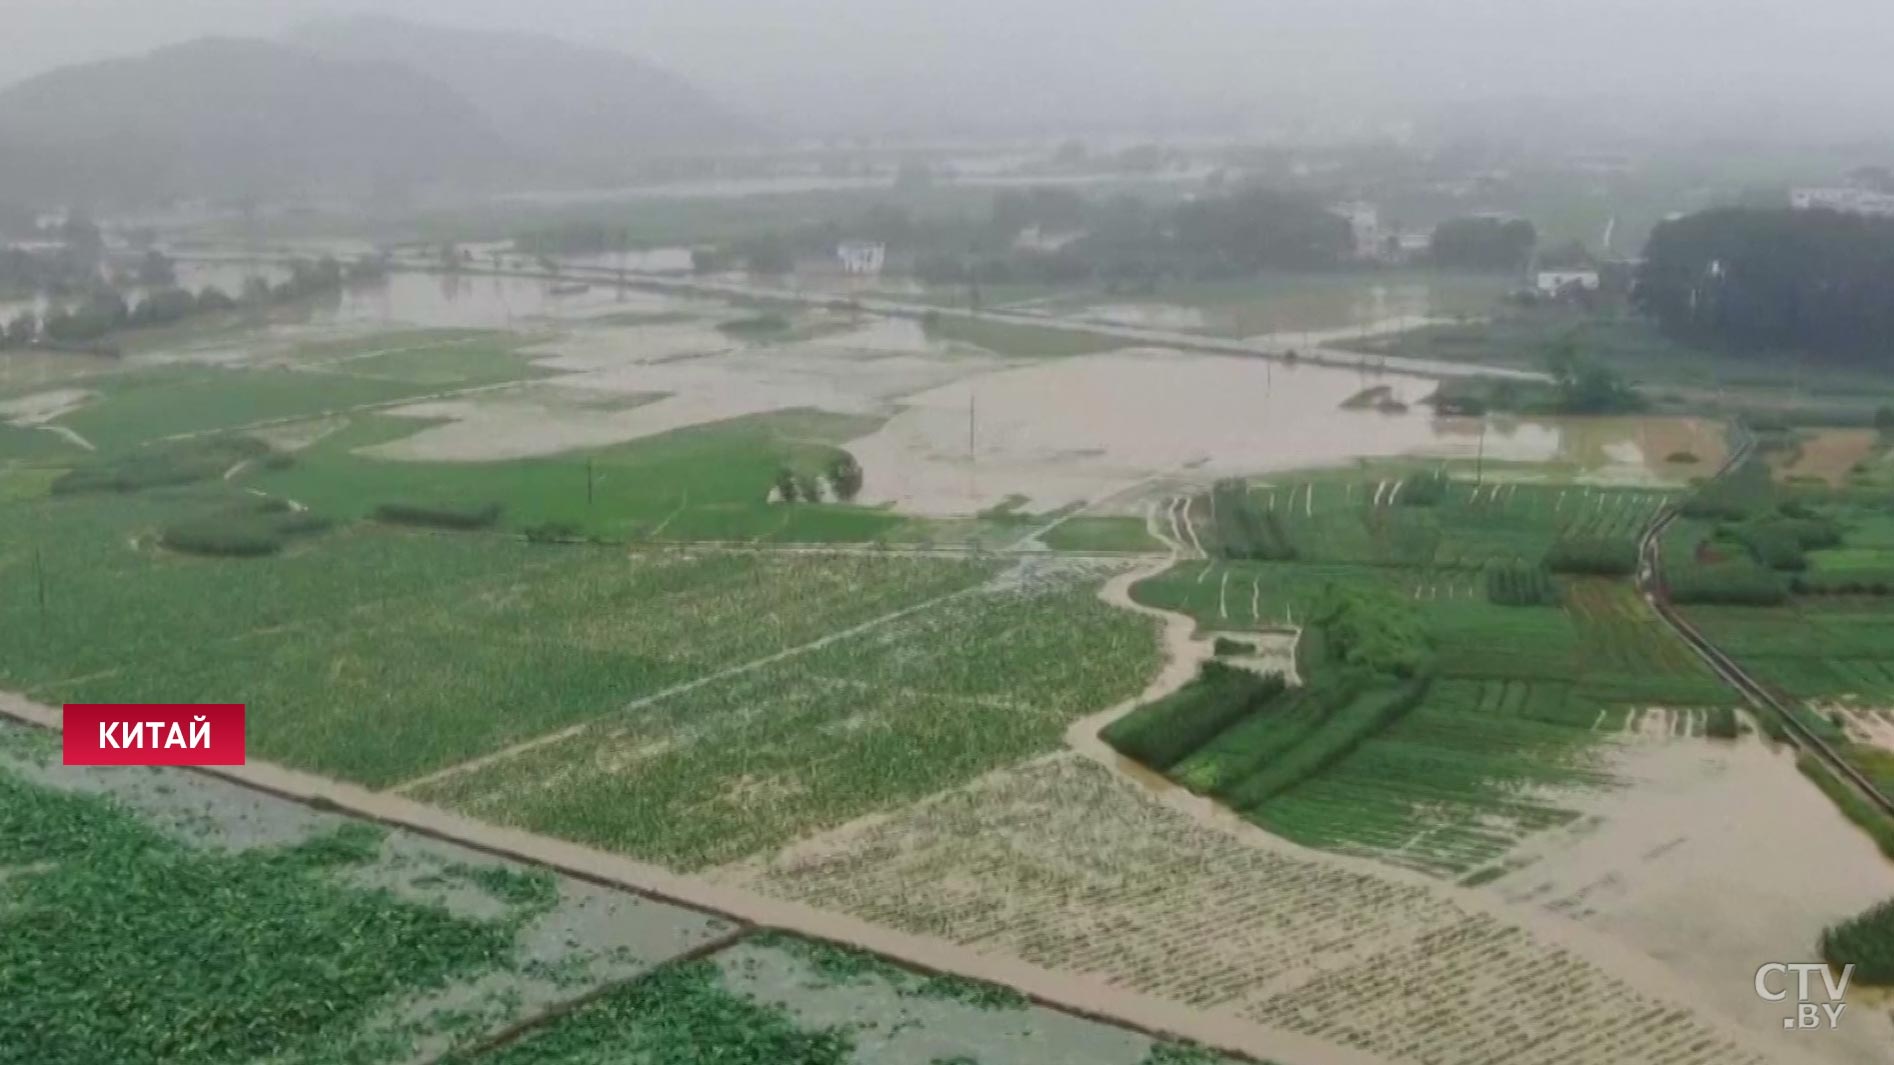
[862, 257]
[1364, 220]
[1850, 200]
[1558, 282]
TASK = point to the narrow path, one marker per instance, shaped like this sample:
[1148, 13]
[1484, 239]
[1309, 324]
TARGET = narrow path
[1065, 992]
[1650, 581]
[69, 434]
[384, 404]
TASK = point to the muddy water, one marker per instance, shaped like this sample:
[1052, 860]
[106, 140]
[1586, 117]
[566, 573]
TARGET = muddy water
[464, 301]
[1090, 427]
[1307, 314]
[640, 261]
[1623, 450]
[1715, 859]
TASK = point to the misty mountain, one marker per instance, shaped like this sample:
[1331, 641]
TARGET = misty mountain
[560, 104]
[232, 117]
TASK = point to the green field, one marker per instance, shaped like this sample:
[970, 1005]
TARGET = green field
[1360, 517]
[145, 405]
[161, 916]
[1522, 697]
[708, 482]
[866, 723]
[379, 654]
[1521, 694]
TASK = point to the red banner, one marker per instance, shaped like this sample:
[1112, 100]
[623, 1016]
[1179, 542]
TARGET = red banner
[154, 733]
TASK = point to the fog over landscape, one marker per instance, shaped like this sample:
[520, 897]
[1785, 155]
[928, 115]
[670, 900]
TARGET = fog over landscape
[946, 532]
[1739, 67]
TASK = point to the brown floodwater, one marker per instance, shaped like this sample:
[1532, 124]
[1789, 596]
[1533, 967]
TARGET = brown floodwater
[1088, 428]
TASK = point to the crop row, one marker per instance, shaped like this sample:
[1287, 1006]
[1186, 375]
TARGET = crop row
[1061, 866]
[864, 723]
[383, 655]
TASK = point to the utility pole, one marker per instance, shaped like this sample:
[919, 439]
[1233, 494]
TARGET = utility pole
[588, 481]
[39, 579]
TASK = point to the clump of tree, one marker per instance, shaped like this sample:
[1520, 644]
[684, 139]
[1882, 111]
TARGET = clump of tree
[1483, 244]
[1162, 733]
[1583, 385]
[1371, 632]
[1743, 491]
[1593, 556]
[21, 332]
[845, 477]
[1865, 942]
[1780, 541]
[1736, 582]
[1756, 279]
[788, 487]
[242, 532]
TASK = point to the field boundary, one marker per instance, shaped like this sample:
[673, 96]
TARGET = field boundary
[1065, 993]
[1651, 583]
[693, 684]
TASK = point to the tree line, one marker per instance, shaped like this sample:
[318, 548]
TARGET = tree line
[1762, 279]
[103, 308]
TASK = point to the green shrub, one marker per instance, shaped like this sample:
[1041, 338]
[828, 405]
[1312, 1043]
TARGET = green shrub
[552, 532]
[222, 537]
[1769, 544]
[164, 465]
[1517, 583]
[1743, 491]
[1865, 942]
[241, 532]
[1338, 735]
[440, 515]
[1778, 541]
[1372, 631]
[1162, 733]
[1721, 723]
[1736, 583]
[1593, 556]
[845, 476]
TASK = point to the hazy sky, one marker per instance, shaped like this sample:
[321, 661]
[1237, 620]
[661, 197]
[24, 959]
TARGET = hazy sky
[822, 63]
